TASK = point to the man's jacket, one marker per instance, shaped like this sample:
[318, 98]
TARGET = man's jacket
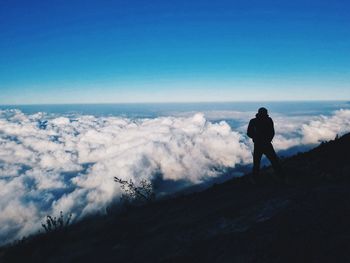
[261, 129]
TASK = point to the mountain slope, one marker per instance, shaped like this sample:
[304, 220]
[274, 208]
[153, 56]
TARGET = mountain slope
[304, 221]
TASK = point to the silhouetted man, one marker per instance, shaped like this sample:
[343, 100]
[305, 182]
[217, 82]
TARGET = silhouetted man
[261, 130]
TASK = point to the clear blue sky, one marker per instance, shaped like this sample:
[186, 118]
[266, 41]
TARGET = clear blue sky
[159, 51]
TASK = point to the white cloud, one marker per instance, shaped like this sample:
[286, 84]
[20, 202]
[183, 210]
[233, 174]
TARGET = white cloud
[50, 164]
[42, 160]
[325, 128]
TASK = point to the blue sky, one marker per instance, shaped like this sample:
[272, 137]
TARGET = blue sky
[162, 51]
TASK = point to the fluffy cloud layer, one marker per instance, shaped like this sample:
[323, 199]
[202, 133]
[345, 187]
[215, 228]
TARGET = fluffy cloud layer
[58, 163]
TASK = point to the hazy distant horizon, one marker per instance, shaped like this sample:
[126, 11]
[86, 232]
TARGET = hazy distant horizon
[178, 102]
[152, 110]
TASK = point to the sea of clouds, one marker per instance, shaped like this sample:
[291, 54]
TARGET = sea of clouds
[51, 163]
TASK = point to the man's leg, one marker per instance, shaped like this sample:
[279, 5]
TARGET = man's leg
[257, 159]
[270, 153]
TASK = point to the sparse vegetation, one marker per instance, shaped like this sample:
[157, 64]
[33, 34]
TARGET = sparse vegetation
[54, 223]
[142, 193]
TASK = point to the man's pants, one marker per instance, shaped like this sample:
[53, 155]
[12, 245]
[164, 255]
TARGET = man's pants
[267, 149]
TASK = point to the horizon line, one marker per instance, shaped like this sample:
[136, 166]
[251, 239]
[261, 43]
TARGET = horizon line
[171, 102]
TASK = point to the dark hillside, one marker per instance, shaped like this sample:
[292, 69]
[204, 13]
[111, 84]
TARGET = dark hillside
[307, 220]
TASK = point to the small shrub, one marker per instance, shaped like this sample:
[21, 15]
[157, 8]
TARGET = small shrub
[53, 224]
[143, 193]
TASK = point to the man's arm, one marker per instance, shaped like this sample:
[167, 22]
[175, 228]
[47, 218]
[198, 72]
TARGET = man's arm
[251, 130]
[272, 130]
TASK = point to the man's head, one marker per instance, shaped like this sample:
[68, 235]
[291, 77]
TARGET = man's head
[262, 112]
